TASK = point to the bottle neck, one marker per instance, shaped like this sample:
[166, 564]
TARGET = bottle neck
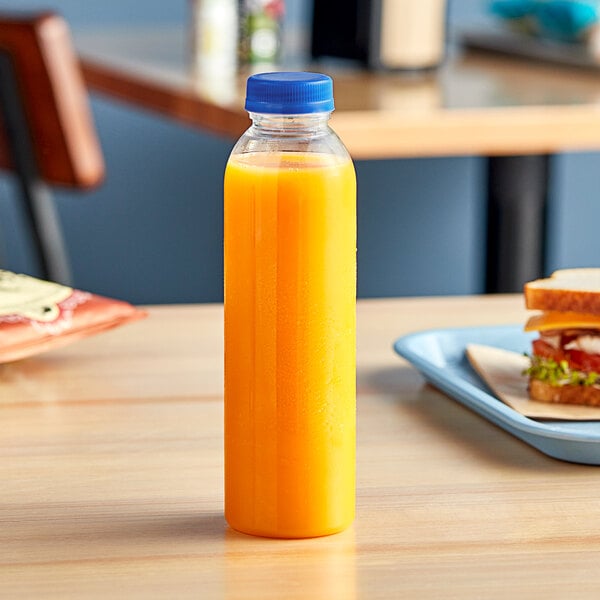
[290, 125]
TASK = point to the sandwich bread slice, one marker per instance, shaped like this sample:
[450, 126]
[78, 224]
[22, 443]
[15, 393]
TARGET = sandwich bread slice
[565, 358]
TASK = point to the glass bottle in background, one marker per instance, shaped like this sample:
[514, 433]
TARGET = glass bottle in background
[260, 36]
[290, 298]
[213, 30]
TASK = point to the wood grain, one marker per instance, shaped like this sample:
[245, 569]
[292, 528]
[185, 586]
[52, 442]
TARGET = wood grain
[111, 470]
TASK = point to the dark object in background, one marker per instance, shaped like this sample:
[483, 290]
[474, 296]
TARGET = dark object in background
[340, 28]
[516, 234]
[383, 34]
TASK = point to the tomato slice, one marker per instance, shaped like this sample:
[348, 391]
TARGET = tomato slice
[545, 350]
[577, 359]
[582, 361]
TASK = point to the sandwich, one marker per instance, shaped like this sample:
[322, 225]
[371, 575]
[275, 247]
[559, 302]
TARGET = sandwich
[565, 358]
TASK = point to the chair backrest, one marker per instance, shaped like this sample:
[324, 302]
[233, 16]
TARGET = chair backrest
[54, 99]
[47, 135]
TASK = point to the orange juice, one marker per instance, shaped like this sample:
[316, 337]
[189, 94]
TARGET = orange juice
[290, 281]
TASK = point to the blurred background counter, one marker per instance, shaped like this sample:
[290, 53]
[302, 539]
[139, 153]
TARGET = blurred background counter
[152, 233]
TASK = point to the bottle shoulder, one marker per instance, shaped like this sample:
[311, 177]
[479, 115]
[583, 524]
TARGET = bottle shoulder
[324, 141]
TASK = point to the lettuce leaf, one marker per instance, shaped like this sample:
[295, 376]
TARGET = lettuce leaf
[558, 373]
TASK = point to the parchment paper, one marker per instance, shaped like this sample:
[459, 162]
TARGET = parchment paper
[502, 371]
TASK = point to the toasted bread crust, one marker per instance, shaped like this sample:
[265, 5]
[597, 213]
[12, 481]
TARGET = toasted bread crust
[565, 394]
[573, 290]
[562, 299]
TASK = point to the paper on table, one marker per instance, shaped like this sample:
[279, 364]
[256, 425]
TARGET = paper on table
[502, 371]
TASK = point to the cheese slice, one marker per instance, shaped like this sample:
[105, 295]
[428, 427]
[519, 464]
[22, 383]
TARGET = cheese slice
[551, 319]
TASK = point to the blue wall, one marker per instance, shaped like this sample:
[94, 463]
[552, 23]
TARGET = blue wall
[152, 233]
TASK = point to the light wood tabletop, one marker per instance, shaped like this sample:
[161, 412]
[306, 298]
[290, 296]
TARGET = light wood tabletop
[111, 471]
[475, 104]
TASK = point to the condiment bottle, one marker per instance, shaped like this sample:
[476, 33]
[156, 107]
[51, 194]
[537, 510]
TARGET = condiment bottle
[290, 325]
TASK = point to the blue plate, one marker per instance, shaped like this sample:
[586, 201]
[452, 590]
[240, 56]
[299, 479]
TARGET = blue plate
[440, 356]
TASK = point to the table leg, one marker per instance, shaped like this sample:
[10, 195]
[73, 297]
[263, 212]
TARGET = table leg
[516, 221]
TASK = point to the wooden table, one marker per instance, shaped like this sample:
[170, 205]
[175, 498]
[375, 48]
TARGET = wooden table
[475, 104]
[111, 471]
[512, 112]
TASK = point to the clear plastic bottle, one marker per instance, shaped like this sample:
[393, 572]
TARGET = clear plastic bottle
[290, 305]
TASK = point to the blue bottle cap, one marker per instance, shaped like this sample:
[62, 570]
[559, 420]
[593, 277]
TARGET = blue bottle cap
[291, 93]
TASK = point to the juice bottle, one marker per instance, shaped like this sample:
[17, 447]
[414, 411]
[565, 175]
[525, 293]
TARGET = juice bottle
[290, 297]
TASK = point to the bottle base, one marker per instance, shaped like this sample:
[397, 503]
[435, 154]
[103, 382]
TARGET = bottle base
[288, 535]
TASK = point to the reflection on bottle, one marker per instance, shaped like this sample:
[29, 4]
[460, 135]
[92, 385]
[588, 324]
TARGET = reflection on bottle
[311, 568]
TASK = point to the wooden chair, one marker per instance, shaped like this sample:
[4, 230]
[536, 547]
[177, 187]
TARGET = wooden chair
[47, 136]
